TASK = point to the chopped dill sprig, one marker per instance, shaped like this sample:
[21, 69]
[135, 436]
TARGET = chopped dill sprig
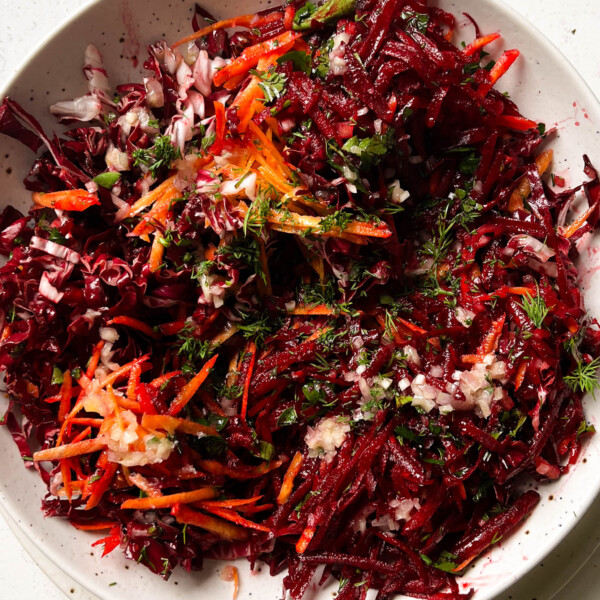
[583, 378]
[536, 309]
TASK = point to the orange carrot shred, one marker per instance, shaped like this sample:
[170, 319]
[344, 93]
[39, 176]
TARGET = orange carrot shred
[170, 500]
[236, 583]
[171, 424]
[520, 376]
[111, 541]
[134, 381]
[157, 251]
[69, 450]
[122, 371]
[221, 123]
[188, 390]
[93, 364]
[143, 484]
[99, 487]
[490, 341]
[252, 351]
[151, 196]
[479, 43]
[571, 229]
[304, 540]
[136, 324]
[288, 479]
[82, 435]
[65, 397]
[159, 381]
[251, 55]
[65, 471]
[240, 21]
[74, 200]
[502, 65]
[184, 514]
[229, 503]
[317, 310]
[229, 515]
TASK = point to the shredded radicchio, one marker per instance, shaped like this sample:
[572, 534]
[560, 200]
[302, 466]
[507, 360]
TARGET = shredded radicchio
[301, 295]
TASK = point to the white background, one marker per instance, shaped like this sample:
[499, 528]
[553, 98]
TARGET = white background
[573, 26]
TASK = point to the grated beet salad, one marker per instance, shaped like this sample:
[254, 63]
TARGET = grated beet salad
[301, 295]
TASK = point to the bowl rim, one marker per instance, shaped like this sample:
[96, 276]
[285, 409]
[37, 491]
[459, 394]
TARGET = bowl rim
[12, 509]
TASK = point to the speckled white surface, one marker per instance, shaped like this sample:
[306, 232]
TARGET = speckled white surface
[572, 26]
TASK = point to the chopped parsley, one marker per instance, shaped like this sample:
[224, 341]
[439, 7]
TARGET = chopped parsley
[288, 417]
[370, 150]
[301, 60]
[272, 84]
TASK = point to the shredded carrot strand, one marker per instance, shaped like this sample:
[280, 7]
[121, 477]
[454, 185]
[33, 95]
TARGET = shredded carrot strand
[241, 21]
[288, 479]
[229, 503]
[69, 450]
[572, 229]
[74, 200]
[236, 582]
[93, 364]
[479, 43]
[170, 500]
[82, 435]
[304, 540]
[157, 252]
[137, 325]
[65, 471]
[185, 515]
[318, 310]
[99, 487]
[490, 341]
[171, 424]
[251, 55]
[151, 197]
[188, 391]
[85, 421]
[500, 68]
[229, 331]
[270, 148]
[159, 381]
[143, 484]
[229, 515]
[300, 223]
[65, 397]
[134, 381]
[523, 190]
[252, 510]
[158, 214]
[252, 350]
[520, 376]
[124, 370]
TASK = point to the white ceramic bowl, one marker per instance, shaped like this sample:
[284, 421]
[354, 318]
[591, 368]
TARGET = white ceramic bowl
[545, 87]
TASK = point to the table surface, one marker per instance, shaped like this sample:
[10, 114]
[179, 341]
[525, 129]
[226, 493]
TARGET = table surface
[571, 571]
